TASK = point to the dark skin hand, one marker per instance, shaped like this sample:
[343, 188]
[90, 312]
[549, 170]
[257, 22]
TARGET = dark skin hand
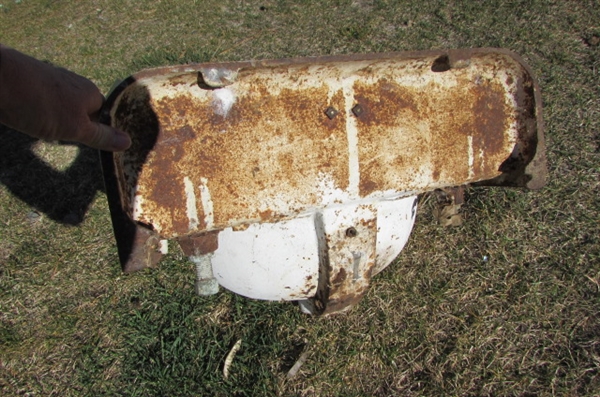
[52, 103]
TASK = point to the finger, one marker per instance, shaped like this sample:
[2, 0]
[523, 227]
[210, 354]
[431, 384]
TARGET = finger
[96, 102]
[104, 137]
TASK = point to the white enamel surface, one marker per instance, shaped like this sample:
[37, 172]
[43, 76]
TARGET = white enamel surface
[280, 261]
[223, 100]
[273, 261]
[395, 220]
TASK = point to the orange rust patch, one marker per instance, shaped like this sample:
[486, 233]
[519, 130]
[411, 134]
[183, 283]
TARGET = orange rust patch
[429, 133]
[266, 145]
[490, 119]
[266, 215]
[383, 103]
[265, 142]
[166, 192]
[339, 278]
[199, 245]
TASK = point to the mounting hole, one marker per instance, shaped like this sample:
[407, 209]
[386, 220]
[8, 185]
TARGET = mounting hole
[441, 64]
[351, 232]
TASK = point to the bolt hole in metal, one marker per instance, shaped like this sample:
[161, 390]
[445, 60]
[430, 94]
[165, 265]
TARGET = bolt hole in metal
[351, 232]
[331, 112]
[441, 64]
[357, 110]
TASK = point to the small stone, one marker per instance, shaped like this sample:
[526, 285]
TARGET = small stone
[34, 217]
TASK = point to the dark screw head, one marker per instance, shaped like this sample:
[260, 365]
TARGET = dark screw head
[331, 112]
[357, 110]
[351, 232]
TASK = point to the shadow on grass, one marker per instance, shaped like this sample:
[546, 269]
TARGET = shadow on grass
[63, 196]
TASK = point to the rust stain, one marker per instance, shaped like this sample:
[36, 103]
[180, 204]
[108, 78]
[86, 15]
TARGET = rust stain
[383, 103]
[197, 141]
[266, 215]
[274, 142]
[491, 115]
[135, 115]
[430, 133]
[339, 278]
[369, 223]
[308, 290]
[164, 191]
[199, 245]
[166, 194]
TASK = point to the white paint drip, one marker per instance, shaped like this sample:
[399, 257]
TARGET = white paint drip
[190, 203]
[207, 204]
[352, 136]
[137, 201]
[223, 100]
[471, 156]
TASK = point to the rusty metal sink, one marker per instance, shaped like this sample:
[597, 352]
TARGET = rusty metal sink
[297, 179]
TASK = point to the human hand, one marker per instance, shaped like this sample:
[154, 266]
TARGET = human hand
[52, 103]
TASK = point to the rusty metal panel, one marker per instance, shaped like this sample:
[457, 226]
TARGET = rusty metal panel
[297, 179]
[232, 144]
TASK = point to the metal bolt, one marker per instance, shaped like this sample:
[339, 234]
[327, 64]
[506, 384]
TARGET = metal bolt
[357, 110]
[331, 112]
[206, 283]
[351, 232]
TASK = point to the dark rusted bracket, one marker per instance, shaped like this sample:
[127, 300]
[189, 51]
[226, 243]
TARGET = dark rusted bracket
[138, 246]
[203, 244]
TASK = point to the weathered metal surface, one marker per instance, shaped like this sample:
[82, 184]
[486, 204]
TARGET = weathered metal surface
[138, 246]
[329, 254]
[405, 124]
[350, 237]
[199, 250]
[323, 147]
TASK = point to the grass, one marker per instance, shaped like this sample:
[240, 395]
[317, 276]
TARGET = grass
[507, 304]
